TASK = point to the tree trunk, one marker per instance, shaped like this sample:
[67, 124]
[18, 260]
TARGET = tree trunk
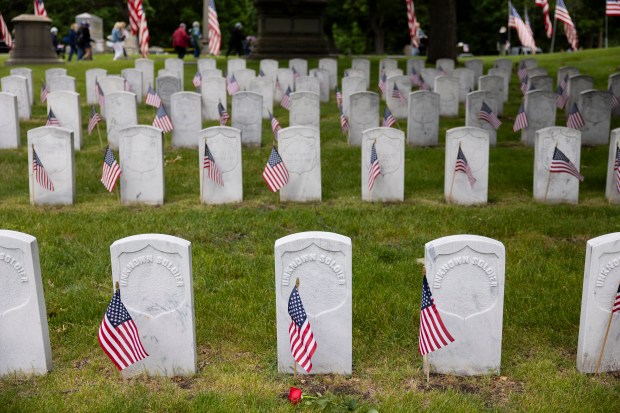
[442, 37]
[376, 22]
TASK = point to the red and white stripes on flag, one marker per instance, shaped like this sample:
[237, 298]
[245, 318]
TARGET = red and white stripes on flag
[489, 116]
[39, 8]
[275, 125]
[213, 172]
[233, 86]
[118, 335]
[152, 98]
[275, 173]
[562, 93]
[433, 332]
[224, 116]
[575, 120]
[462, 165]
[615, 102]
[303, 344]
[94, 120]
[197, 80]
[617, 168]
[411, 22]
[612, 8]
[5, 34]
[44, 92]
[39, 172]
[135, 7]
[110, 171]
[215, 36]
[521, 120]
[162, 120]
[338, 97]
[144, 34]
[561, 13]
[525, 36]
[344, 124]
[388, 119]
[374, 170]
[52, 120]
[616, 307]
[561, 164]
[285, 102]
[545, 9]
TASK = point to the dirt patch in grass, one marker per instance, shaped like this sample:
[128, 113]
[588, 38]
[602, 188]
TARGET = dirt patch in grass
[348, 388]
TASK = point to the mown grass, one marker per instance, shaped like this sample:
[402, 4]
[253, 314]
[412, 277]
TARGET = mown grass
[232, 249]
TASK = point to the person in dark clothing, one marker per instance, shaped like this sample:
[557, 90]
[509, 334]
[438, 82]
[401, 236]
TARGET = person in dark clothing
[502, 41]
[72, 41]
[58, 48]
[236, 40]
[83, 42]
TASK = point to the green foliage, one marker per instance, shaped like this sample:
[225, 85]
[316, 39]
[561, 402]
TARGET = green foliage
[349, 41]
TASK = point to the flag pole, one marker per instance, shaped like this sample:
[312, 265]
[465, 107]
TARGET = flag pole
[555, 25]
[32, 179]
[117, 285]
[202, 183]
[549, 177]
[452, 184]
[606, 31]
[295, 361]
[600, 356]
[99, 133]
[427, 365]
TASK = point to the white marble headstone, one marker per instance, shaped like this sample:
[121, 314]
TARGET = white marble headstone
[566, 70]
[537, 71]
[121, 112]
[9, 121]
[110, 84]
[466, 81]
[495, 85]
[389, 185]
[540, 108]
[213, 91]
[134, 79]
[232, 65]
[247, 116]
[447, 87]
[24, 334]
[66, 107]
[147, 67]
[354, 72]
[556, 187]
[398, 106]
[284, 77]
[300, 149]
[269, 67]
[243, 77]
[176, 65]
[385, 65]
[322, 262]
[154, 272]
[466, 275]
[477, 66]
[225, 145]
[613, 84]
[503, 63]
[323, 77]
[307, 84]
[204, 64]
[186, 117]
[166, 87]
[305, 110]
[364, 114]
[168, 72]
[576, 85]
[364, 66]
[423, 119]
[594, 106]
[92, 75]
[53, 72]
[263, 85]
[540, 83]
[428, 76]
[18, 86]
[473, 104]
[58, 83]
[529, 63]
[141, 157]
[54, 147]
[331, 65]
[350, 85]
[474, 143]
[27, 73]
[447, 65]
[210, 73]
[300, 65]
[611, 189]
[506, 75]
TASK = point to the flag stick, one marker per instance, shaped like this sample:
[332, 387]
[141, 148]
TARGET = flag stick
[549, 177]
[202, 181]
[99, 133]
[295, 361]
[606, 31]
[117, 285]
[555, 24]
[32, 179]
[600, 356]
[452, 184]
[427, 368]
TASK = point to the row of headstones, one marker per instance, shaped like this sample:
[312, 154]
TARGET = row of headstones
[466, 274]
[142, 163]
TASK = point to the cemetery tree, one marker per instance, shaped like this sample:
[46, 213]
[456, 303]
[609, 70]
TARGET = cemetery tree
[442, 36]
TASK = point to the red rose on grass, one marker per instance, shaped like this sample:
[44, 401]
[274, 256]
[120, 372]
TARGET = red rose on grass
[294, 395]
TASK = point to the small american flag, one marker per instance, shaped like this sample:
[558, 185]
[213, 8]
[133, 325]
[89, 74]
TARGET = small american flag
[93, 120]
[521, 71]
[285, 102]
[152, 98]
[162, 120]
[462, 165]
[561, 164]
[612, 8]
[338, 97]
[39, 8]
[374, 169]
[415, 77]
[52, 120]
[616, 307]
[487, 115]
[118, 335]
[344, 124]
[303, 344]
[213, 172]
[614, 99]
[561, 13]
[562, 97]
[44, 92]
[520, 120]
[575, 120]
[126, 86]
[296, 74]
[197, 80]
[383, 83]
[275, 125]
[441, 70]
[278, 85]
[433, 333]
[261, 73]
[388, 119]
[524, 84]
[617, 168]
[111, 171]
[275, 173]
[224, 116]
[99, 93]
[398, 95]
[39, 172]
[233, 86]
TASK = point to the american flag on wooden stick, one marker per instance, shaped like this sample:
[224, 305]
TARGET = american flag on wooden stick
[575, 120]
[110, 171]
[285, 102]
[561, 13]
[489, 116]
[374, 170]
[93, 120]
[52, 120]
[562, 93]
[433, 332]
[617, 167]
[561, 164]
[521, 120]
[275, 125]
[296, 74]
[197, 80]
[338, 97]
[522, 71]
[118, 335]
[39, 172]
[396, 93]
[462, 165]
[303, 344]
[383, 82]
[162, 120]
[233, 86]
[224, 116]
[44, 92]
[275, 173]
[344, 124]
[616, 307]
[388, 119]
[614, 99]
[415, 77]
[100, 94]
[213, 172]
[152, 98]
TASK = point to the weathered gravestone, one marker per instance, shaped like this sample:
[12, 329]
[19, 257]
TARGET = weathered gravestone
[24, 334]
[331, 65]
[147, 67]
[473, 106]
[232, 65]
[213, 92]
[529, 63]
[506, 75]
[540, 83]
[445, 65]
[399, 106]
[416, 64]
[205, 64]
[566, 70]
[466, 274]
[243, 77]
[210, 73]
[27, 73]
[225, 146]
[503, 63]
[540, 109]
[613, 85]
[134, 80]
[154, 272]
[466, 82]
[323, 77]
[385, 65]
[305, 110]
[186, 117]
[477, 66]
[300, 65]
[556, 187]
[51, 73]
[447, 87]
[537, 71]
[307, 84]
[393, 72]
[389, 185]
[66, 107]
[364, 114]
[176, 65]
[600, 285]
[428, 76]
[423, 120]
[494, 85]
[141, 153]
[54, 147]
[459, 186]
[263, 85]
[351, 85]
[322, 262]
[166, 87]
[594, 106]
[9, 121]
[269, 67]
[168, 72]
[364, 66]
[354, 72]
[284, 80]
[58, 83]
[110, 84]
[300, 149]
[18, 86]
[247, 116]
[612, 189]
[576, 85]
[121, 112]
[92, 76]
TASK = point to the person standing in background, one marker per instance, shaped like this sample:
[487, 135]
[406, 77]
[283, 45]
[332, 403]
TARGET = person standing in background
[236, 40]
[72, 41]
[502, 41]
[124, 34]
[196, 36]
[180, 40]
[83, 42]
[117, 41]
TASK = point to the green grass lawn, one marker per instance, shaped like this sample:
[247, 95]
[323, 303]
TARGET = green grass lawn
[232, 250]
